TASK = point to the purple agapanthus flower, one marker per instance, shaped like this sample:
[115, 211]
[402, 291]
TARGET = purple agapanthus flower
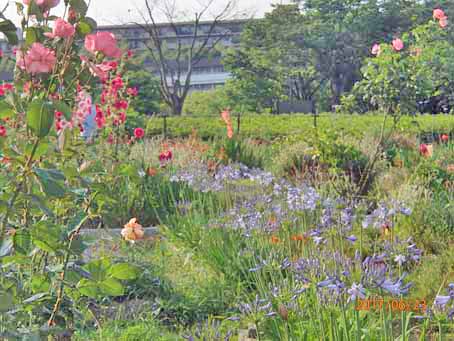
[441, 301]
[355, 291]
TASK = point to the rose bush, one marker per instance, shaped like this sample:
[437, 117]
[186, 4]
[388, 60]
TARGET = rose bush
[414, 67]
[48, 191]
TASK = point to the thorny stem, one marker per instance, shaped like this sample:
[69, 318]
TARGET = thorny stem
[72, 236]
[18, 188]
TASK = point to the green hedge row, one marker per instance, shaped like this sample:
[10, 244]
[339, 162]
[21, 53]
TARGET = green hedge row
[273, 126]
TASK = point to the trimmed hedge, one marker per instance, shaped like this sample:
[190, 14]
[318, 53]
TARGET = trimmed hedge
[273, 126]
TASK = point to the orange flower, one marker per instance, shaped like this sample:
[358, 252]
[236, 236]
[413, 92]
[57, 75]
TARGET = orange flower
[229, 131]
[450, 168]
[151, 171]
[226, 118]
[132, 231]
[275, 240]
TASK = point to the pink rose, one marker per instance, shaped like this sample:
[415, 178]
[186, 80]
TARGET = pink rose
[44, 3]
[62, 29]
[376, 50]
[438, 14]
[398, 44]
[39, 59]
[104, 42]
[443, 22]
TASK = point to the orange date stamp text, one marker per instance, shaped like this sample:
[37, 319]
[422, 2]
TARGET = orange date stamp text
[396, 305]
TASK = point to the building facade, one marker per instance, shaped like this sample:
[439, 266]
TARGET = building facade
[209, 72]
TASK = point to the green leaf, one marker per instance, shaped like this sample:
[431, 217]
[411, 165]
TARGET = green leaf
[8, 28]
[88, 288]
[40, 203]
[31, 36]
[98, 269]
[75, 222]
[22, 241]
[40, 117]
[40, 283]
[6, 110]
[46, 237]
[49, 183]
[84, 28]
[41, 150]
[6, 302]
[124, 271]
[79, 6]
[112, 287]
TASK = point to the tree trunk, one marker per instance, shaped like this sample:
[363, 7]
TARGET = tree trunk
[177, 106]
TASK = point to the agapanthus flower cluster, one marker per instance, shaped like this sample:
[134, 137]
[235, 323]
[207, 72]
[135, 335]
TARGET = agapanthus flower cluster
[385, 214]
[445, 303]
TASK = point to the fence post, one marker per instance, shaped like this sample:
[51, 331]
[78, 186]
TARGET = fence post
[238, 122]
[164, 123]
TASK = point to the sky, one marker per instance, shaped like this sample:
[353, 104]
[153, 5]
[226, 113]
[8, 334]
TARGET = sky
[110, 12]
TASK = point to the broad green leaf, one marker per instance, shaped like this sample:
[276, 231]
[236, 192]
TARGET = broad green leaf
[40, 117]
[124, 271]
[98, 269]
[111, 287]
[88, 288]
[79, 6]
[6, 110]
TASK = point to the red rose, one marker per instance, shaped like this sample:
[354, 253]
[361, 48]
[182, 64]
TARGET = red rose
[139, 133]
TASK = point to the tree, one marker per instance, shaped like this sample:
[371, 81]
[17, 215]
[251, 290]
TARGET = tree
[271, 65]
[341, 33]
[191, 43]
[147, 84]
